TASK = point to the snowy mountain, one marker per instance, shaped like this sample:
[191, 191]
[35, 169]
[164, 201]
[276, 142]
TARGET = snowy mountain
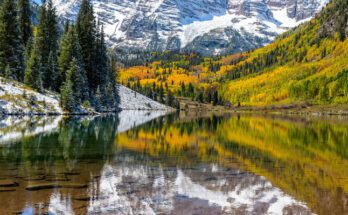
[207, 26]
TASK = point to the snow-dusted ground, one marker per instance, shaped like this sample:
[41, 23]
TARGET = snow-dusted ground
[131, 100]
[17, 99]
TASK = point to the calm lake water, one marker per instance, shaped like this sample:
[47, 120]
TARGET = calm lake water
[148, 163]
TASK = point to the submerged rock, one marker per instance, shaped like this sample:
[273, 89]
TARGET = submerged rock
[44, 186]
[8, 183]
[7, 189]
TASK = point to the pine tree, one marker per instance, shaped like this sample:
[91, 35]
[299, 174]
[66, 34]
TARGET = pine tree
[27, 51]
[200, 97]
[52, 69]
[112, 83]
[33, 72]
[170, 99]
[161, 94]
[70, 50]
[101, 58]
[11, 50]
[86, 31]
[183, 89]
[67, 99]
[77, 76]
[209, 97]
[215, 98]
[47, 31]
[24, 19]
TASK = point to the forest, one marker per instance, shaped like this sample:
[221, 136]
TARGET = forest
[306, 64]
[73, 61]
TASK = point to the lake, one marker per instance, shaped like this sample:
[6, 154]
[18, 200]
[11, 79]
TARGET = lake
[151, 163]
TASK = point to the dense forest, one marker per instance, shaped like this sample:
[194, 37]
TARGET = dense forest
[73, 61]
[306, 64]
[173, 73]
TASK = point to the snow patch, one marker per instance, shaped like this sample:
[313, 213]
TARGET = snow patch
[131, 100]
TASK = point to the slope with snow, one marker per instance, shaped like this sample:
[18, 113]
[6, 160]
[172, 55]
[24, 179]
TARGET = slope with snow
[17, 99]
[131, 100]
[209, 26]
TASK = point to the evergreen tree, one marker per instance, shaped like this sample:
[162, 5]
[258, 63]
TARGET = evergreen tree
[67, 99]
[170, 99]
[200, 97]
[24, 19]
[74, 88]
[27, 51]
[33, 72]
[52, 69]
[161, 94]
[86, 31]
[77, 76]
[209, 97]
[191, 90]
[47, 31]
[70, 50]
[112, 92]
[101, 59]
[215, 98]
[183, 89]
[11, 50]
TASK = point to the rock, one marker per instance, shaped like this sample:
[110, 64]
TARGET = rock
[57, 179]
[44, 186]
[85, 198]
[35, 178]
[73, 185]
[7, 183]
[35, 187]
[71, 173]
[7, 189]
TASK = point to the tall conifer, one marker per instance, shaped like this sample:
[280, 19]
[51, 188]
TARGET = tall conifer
[11, 50]
[24, 19]
[47, 31]
[33, 71]
[86, 31]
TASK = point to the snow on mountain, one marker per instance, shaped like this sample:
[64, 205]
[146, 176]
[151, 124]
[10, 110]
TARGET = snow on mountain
[209, 26]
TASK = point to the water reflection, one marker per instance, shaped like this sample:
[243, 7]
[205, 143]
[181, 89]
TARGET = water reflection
[127, 189]
[175, 165]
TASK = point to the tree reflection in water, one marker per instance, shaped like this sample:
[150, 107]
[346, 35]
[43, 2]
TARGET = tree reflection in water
[214, 165]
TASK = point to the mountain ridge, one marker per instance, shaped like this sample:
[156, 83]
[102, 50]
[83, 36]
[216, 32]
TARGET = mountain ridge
[207, 26]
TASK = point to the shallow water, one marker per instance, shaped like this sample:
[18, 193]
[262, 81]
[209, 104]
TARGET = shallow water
[148, 163]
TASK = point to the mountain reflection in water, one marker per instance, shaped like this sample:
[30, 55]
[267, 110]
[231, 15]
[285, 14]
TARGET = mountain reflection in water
[148, 163]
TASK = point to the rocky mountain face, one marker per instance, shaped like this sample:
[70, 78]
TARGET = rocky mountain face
[207, 26]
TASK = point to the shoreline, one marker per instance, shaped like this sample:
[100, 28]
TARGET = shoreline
[298, 109]
[84, 113]
[187, 104]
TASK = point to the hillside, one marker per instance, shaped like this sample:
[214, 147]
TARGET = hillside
[18, 99]
[307, 64]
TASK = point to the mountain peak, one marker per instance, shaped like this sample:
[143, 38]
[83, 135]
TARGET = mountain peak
[207, 26]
